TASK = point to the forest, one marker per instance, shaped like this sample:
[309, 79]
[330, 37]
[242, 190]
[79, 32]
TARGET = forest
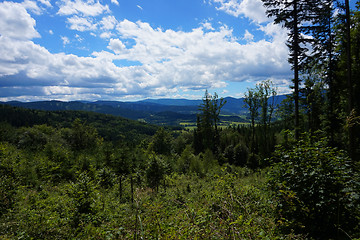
[291, 173]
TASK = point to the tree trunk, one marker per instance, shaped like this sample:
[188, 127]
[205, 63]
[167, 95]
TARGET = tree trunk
[296, 70]
[132, 188]
[352, 146]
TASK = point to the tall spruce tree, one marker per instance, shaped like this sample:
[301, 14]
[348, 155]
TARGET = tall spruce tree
[293, 15]
[207, 122]
[323, 58]
[347, 40]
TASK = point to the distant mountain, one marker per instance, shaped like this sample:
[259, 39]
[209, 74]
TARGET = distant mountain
[157, 111]
[152, 107]
[174, 102]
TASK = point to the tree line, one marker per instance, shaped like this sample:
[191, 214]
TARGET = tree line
[323, 39]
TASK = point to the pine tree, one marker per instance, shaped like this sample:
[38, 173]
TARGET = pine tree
[292, 15]
[207, 122]
[323, 58]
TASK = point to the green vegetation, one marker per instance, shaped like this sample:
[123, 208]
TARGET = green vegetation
[68, 182]
[317, 189]
[109, 127]
[81, 175]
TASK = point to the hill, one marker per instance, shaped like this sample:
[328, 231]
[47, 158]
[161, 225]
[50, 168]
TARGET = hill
[111, 128]
[155, 111]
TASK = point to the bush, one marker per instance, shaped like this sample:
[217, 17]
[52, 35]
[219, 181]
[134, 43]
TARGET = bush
[316, 190]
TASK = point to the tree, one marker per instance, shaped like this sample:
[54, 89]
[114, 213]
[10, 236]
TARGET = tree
[267, 93]
[354, 108]
[313, 101]
[286, 112]
[291, 14]
[207, 122]
[321, 63]
[348, 43]
[215, 108]
[261, 102]
[253, 103]
[120, 162]
[161, 143]
[82, 136]
[155, 172]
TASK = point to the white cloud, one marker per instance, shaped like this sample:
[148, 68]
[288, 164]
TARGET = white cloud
[106, 35]
[139, 7]
[108, 22]
[177, 58]
[31, 6]
[252, 9]
[167, 61]
[207, 26]
[116, 46]
[79, 38]
[51, 32]
[15, 22]
[81, 24]
[115, 2]
[46, 3]
[248, 36]
[86, 8]
[65, 40]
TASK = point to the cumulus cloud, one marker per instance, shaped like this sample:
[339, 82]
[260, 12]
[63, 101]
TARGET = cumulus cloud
[108, 22]
[252, 9]
[88, 15]
[207, 26]
[157, 61]
[85, 8]
[81, 24]
[16, 22]
[197, 59]
[46, 3]
[32, 6]
[117, 46]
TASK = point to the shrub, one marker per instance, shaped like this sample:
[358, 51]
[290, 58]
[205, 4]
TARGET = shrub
[316, 190]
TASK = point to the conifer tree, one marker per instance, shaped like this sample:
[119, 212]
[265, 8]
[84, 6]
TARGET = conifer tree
[321, 63]
[207, 122]
[291, 15]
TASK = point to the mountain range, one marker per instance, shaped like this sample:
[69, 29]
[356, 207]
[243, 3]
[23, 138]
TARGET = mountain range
[155, 111]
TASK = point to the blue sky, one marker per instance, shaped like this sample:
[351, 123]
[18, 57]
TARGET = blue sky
[135, 49]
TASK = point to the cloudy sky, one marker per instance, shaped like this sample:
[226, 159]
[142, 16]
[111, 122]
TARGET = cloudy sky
[136, 49]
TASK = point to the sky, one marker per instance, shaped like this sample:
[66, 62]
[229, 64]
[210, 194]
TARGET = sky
[125, 50]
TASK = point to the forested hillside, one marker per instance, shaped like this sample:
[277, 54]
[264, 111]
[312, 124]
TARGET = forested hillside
[109, 127]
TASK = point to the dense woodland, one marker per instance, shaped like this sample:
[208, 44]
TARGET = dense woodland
[82, 175]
